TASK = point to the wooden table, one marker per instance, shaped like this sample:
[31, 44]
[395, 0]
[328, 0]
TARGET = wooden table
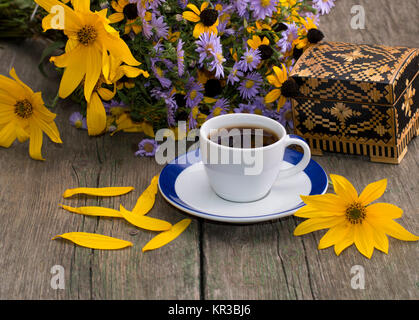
[209, 260]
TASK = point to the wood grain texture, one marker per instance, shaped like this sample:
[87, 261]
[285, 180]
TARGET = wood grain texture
[209, 260]
[265, 261]
[30, 192]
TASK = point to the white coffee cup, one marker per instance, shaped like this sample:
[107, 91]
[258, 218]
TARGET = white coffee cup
[231, 173]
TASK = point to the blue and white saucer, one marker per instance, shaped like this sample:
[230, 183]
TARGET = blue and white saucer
[184, 184]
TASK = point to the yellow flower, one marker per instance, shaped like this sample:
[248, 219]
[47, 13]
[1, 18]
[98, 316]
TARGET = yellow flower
[256, 42]
[207, 19]
[352, 218]
[301, 42]
[90, 39]
[125, 9]
[24, 116]
[95, 113]
[277, 79]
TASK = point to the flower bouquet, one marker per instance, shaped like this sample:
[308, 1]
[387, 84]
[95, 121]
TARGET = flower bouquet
[143, 65]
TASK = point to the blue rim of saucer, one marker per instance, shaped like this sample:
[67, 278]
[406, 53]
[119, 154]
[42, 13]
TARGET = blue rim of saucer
[172, 170]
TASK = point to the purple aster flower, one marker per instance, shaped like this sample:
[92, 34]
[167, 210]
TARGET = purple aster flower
[234, 75]
[217, 64]
[259, 103]
[220, 107]
[262, 8]
[180, 58]
[192, 123]
[288, 36]
[153, 4]
[78, 121]
[147, 148]
[207, 45]
[183, 4]
[250, 60]
[159, 27]
[245, 108]
[241, 6]
[249, 87]
[194, 93]
[285, 115]
[159, 73]
[323, 6]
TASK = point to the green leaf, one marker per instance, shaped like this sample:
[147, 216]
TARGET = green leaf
[47, 52]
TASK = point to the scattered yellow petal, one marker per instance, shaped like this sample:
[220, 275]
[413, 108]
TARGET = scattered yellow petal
[101, 192]
[146, 200]
[167, 236]
[94, 211]
[145, 222]
[94, 241]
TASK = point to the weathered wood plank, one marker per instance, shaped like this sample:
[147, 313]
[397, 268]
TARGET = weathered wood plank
[265, 261]
[29, 214]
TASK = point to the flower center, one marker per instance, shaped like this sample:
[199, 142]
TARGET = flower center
[209, 17]
[78, 124]
[130, 11]
[193, 94]
[355, 213]
[148, 147]
[87, 35]
[265, 3]
[249, 84]
[249, 59]
[23, 108]
[265, 51]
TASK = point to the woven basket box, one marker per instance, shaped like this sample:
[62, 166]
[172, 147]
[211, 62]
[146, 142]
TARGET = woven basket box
[357, 99]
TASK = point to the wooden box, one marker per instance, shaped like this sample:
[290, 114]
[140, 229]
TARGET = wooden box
[357, 99]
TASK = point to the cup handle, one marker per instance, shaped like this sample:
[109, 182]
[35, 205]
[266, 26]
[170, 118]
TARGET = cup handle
[300, 166]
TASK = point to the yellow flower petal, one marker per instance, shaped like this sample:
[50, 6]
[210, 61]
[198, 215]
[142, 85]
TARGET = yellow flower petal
[50, 129]
[148, 129]
[395, 230]
[100, 192]
[35, 142]
[95, 116]
[145, 201]
[20, 82]
[106, 94]
[7, 135]
[81, 5]
[93, 70]
[363, 238]
[315, 224]
[272, 96]
[325, 202]
[75, 63]
[190, 16]
[167, 236]
[145, 222]
[344, 189]
[383, 210]
[311, 212]
[194, 8]
[116, 17]
[380, 239]
[373, 191]
[198, 30]
[204, 5]
[94, 241]
[21, 134]
[334, 235]
[94, 211]
[345, 242]
[281, 102]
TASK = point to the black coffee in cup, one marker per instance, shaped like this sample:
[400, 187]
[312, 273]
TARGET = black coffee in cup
[243, 137]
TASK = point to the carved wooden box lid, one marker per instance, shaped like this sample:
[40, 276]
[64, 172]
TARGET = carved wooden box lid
[355, 73]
